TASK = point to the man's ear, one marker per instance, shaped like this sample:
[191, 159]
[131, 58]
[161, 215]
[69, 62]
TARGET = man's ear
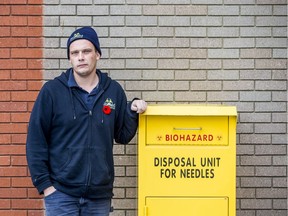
[97, 55]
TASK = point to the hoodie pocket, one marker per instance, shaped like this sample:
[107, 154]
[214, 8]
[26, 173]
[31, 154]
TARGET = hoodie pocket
[84, 166]
[100, 169]
[74, 170]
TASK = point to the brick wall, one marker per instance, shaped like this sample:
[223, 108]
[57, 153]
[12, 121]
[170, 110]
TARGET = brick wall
[20, 80]
[182, 51]
[194, 51]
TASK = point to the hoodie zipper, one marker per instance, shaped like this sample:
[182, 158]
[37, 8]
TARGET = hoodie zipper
[88, 175]
[88, 146]
[89, 170]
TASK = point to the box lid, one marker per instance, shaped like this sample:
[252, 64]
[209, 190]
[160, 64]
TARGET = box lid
[191, 110]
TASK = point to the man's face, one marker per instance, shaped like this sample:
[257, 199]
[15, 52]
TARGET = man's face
[83, 57]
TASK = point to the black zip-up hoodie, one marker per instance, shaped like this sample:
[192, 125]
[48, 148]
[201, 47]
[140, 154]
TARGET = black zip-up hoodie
[71, 147]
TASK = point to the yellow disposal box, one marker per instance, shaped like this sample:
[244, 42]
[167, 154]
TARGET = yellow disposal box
[187, 161]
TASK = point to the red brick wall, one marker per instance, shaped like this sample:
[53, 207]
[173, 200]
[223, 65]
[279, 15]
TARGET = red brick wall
[20, 80]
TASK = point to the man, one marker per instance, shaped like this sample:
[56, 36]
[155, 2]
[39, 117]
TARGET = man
[73, 124]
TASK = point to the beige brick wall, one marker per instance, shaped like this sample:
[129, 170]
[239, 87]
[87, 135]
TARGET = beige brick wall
[193, 51]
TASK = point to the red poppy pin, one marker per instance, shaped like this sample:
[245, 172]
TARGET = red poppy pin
[108, 106]
[106, 109]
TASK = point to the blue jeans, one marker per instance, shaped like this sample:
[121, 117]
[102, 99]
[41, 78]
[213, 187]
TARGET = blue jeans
[61, 204]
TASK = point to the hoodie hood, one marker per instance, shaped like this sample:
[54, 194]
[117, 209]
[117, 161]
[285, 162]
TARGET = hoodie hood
[104, 78]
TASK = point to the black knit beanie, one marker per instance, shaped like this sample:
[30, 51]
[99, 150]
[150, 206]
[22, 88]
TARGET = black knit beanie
[87, 33]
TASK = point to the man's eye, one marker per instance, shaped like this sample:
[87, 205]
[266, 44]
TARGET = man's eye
[87, 51]
[74, 53]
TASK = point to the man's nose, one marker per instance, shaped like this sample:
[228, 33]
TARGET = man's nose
[80, 56]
